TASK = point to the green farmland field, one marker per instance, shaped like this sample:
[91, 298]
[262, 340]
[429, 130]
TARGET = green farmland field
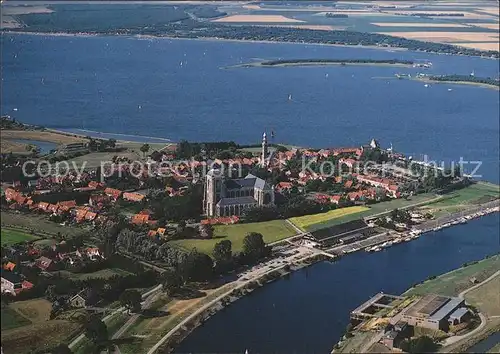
[272, 231]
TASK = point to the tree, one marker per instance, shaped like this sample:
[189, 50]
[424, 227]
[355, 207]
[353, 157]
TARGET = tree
[144, 149]
[197, 267]
[171, 281]
[422, 344]
[222, 251]
[50, 293]
[254, 247]
[61, 349]
[96, 330]
[131, 299]
[111, 143]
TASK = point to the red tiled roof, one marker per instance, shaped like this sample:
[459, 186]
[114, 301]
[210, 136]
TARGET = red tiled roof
[115, 193]
[134, 197]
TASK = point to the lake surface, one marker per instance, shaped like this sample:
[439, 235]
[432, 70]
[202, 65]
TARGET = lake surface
[44, 146]
[180, 89]
[309, 311]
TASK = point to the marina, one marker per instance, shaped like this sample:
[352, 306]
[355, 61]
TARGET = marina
[383, 241]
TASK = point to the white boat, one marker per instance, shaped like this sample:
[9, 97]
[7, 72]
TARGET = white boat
[289, 97]
[450, 90]
[377, 249]
[426, 85]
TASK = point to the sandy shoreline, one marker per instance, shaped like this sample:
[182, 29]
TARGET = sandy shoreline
[216, 39]
[213, 39]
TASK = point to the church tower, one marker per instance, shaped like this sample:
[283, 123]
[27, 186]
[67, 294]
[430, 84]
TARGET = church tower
[214, 191]
[264, 152]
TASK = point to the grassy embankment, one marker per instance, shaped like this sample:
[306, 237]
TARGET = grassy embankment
[335, 217]
[485, 298]
[464, 198]
[272, 231]
[166, 313]
[437, 205]
[452, 283]
[26, 327]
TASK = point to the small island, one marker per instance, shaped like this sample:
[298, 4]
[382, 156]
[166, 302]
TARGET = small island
[464, 79]
[317, 62]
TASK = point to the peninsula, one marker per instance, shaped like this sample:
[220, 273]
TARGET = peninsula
[446, 313]
[321, 62]
[464, 80]
[122, 224]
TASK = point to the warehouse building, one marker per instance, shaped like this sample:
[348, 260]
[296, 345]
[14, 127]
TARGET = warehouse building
[436, 312]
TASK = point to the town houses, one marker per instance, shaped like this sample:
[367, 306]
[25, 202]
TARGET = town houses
[87, 197]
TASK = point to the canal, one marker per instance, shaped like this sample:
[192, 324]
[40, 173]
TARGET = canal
[309, 310]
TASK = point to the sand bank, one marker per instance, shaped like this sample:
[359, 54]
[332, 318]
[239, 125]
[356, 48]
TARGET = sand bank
[494, 26]
[257, 19]
[413, 24]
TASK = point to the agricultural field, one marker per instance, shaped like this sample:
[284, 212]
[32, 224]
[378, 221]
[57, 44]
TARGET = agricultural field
[452, 283]
[272, 231]
[10, 237]
[486, 297]
[305, 222]
[12, 319]
[26, 327]
[38, 224]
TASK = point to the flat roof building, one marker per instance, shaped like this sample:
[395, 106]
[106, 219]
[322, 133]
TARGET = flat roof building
[433, 311]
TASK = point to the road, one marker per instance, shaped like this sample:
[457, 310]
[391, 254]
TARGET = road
[454, 339]
[77, 340]
[251, 275]
[144, 306]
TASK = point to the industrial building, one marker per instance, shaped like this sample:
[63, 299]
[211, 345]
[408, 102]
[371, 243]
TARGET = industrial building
[436, 312]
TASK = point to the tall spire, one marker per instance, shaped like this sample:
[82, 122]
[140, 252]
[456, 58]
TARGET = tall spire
[263, 155]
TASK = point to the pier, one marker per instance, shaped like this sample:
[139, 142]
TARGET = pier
[369, 308]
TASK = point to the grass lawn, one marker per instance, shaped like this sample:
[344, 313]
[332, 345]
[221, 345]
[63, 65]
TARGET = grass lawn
[306, 221]
[486, 297]
[38, 223]
[9, 236]
[12, 319]
[103, 273]
[37, 310]
[328, 219]
[26, 327]
[472, 194]
[452, 283]
[271, 230]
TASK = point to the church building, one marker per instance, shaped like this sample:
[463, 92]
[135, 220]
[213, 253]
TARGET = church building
[227, 197]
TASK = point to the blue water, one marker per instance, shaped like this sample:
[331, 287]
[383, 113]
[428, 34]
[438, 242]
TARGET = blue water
[309, 312]
[138, 87]
[44, 146]
[486, 344]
